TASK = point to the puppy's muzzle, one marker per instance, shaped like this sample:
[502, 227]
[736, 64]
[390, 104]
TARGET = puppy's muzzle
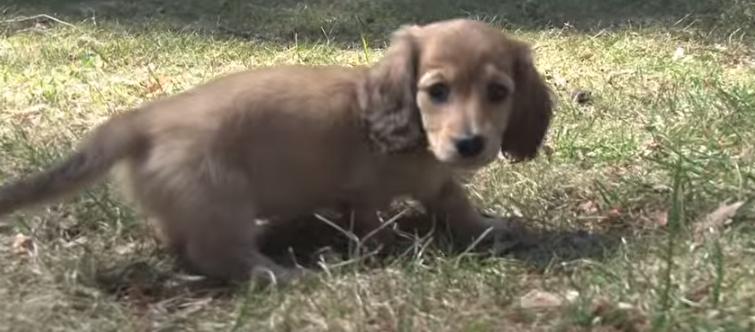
[470, 146]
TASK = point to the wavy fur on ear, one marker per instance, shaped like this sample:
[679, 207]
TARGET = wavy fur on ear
[532, 110]
[391, 115]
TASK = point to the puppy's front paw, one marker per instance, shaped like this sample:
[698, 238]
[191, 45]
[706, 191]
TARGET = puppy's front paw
[279, 276]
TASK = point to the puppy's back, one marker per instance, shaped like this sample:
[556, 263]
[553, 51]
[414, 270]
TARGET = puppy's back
[287, 136]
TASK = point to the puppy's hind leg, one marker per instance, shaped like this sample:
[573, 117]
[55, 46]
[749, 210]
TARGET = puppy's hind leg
[224, 245]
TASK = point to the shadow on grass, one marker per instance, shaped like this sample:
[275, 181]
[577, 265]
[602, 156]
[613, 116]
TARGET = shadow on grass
[308, 242]
[348, 21]
[535, 246]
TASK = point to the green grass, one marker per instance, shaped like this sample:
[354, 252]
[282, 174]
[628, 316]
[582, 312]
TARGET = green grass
[611, 212]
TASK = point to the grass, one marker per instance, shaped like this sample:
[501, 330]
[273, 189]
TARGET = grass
[613, 210]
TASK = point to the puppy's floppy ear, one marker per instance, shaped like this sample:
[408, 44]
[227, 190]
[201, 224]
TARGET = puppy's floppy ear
[390, 113]
[532, 109]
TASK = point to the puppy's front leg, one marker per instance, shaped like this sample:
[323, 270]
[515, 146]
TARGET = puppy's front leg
[452, 206]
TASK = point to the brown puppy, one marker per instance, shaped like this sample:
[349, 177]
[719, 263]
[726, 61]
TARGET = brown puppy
[282, 142]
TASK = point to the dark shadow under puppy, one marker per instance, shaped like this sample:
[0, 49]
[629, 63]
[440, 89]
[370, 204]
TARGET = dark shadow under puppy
[315, 240]
[327, 241]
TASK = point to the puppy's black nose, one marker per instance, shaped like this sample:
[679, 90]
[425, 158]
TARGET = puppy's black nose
[470, 146]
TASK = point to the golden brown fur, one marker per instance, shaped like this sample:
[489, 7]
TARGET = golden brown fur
[281, 142]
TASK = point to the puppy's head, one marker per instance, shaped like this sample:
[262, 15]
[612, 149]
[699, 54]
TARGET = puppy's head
[461, 88]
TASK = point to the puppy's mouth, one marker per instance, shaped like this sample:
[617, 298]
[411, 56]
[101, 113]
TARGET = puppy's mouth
[473, 163]
[455, 160]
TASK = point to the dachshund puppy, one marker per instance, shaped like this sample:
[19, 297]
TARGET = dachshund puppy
[273, 143]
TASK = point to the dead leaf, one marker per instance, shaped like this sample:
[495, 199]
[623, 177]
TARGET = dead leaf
[24, 245]
[658, 218]
[651, 146]
[714, 222]
[621, 316]
[559, 81]
[126, 249]
[678, 53]
[537, 299]
[699, 293]
[156, 85]
[78, 241]
[571, 295]
[548, 150]
[588, 207]
[746, 153]
[614, 213]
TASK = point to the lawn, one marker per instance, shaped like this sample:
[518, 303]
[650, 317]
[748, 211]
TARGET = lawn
[638, 215]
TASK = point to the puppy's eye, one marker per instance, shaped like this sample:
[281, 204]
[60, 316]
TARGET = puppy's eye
[439, 92]
[497, 92]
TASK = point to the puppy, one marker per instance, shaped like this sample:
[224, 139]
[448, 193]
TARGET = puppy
[280, 142]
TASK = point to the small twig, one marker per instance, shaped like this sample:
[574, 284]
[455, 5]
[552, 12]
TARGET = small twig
[340, 229]
[385, 224]
[420, 244]
[681, 19]
[474, 244]
[152, 75]
[35, 17]
[600, 33]
[613, 75]
[352, 261]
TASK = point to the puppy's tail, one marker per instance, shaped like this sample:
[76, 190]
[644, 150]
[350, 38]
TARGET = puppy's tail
[116, 139]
